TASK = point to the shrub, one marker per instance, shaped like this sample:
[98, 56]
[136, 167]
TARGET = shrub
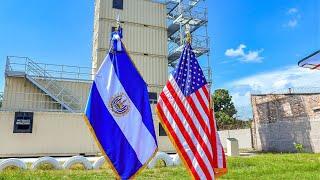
[299, 147]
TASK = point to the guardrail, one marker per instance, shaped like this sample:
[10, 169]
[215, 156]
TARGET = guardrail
[56, 71]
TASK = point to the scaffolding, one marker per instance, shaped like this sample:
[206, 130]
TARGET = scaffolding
[192, 13]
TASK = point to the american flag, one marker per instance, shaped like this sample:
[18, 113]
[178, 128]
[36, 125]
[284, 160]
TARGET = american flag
[184, 110]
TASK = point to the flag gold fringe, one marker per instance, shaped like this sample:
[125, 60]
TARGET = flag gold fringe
[106, 156]
[174, 144]
[145, 165]
[220, 172]
[100, 147]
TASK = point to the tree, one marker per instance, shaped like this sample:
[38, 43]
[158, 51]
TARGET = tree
[223, 102]
[225, 111]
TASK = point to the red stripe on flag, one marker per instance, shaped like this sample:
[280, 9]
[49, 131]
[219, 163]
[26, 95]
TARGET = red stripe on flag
[214, 141]
[206, 92]
[177, 142]
[198, 116]
[186, 136]
[224, 158]
[204, 106]
[190, 122]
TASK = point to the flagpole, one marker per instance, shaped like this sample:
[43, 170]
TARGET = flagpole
[118, 22]
[114, 46]
[188, 34]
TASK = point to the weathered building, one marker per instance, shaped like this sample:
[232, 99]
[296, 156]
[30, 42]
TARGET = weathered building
[282, 120]
[42, 103]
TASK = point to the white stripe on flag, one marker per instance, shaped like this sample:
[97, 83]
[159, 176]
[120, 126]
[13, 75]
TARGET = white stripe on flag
[200, 109]
[184, 143]
[218, 144]
[189, 131]
[219, 150]
[204, 97]
[190, 112]
[131, 124]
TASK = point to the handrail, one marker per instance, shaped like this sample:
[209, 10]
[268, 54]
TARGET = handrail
[42, 77]
[55, 71]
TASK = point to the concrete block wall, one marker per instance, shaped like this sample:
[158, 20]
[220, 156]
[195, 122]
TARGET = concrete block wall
[280, 120]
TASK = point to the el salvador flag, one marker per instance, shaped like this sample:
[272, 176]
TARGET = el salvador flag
[118, 113]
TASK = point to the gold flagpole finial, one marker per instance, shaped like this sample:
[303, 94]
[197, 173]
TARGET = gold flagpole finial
[188, 34]
[188, 38]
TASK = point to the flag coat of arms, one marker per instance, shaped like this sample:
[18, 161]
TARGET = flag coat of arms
[118, 113]
[184, 110]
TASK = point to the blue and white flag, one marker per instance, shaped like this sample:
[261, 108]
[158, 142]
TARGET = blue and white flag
[118, 113]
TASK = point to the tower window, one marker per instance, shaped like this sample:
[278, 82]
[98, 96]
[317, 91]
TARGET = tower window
[162, 132]
[23, 122]
[117, 4]
[153, 98]
[113, 29]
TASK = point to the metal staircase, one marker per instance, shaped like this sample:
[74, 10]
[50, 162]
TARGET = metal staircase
[193, 13]
[43, 80]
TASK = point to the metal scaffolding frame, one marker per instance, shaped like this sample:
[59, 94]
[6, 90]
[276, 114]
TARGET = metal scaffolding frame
[192, 13]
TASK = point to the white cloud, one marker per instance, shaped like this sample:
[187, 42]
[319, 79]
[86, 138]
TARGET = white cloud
[236, 52]
[292, 23]
[294, 16]
[280, 80]
[251, 56]
[292, 11]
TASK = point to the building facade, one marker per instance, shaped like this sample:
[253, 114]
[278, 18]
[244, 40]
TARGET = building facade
[282, 120]
[42, 103]
[145, 37]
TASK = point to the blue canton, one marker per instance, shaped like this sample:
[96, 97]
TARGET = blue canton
[188, 73]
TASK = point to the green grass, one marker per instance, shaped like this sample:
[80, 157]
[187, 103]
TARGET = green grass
[263, 166]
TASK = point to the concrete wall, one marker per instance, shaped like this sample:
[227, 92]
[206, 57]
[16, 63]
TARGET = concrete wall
[21, 95]
[145, 36]
[66, 134]
[280, 120]
[164, 142]
[54, 134]
[242, 135]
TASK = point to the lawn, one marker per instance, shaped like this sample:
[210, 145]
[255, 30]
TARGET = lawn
[262, 166]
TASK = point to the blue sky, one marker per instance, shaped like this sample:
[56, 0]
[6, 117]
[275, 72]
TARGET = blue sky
[255, 45]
